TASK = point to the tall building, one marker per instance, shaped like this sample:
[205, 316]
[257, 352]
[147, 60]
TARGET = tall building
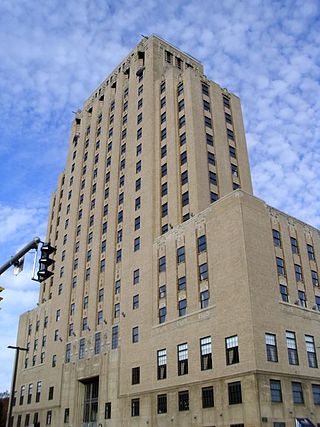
[178, 298]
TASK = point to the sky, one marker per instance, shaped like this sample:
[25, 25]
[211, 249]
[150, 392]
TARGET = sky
[55, 53]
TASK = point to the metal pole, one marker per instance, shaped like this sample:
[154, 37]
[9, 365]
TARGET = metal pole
[32, 245]
[13, 386]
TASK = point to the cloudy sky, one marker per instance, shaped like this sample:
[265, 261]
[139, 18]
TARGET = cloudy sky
[54, 53]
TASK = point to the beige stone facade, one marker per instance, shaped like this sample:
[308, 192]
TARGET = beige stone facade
[178, 297]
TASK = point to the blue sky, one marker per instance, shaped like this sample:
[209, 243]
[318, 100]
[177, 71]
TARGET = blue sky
[54, 54]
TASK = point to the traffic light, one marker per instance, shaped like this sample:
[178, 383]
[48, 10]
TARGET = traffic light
[1, 289]
[45, 261]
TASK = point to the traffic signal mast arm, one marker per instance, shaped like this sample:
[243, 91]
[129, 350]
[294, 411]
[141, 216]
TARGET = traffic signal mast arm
[15, 259]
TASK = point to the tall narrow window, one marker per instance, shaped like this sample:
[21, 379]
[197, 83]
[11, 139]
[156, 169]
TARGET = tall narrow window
[297, 393]
[182, 359]
[135, 375]
[205, 353]
[162, 403]
[232, 350]
[294, 245]
[234, 392]
[280, 266]
[207, 397]
[182, 306]
[275, 391]
[202, 243]
[292, 348]
[162, 364]
[311, 351]
[97, 343]
[82, 344]
[276, 238]
[271, 348]
[183, 400]
[115, 337]
[135, 407]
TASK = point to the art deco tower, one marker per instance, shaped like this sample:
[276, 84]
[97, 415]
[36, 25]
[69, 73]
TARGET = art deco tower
[164, 308]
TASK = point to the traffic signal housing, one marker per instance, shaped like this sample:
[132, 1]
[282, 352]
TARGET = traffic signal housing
[45, 261]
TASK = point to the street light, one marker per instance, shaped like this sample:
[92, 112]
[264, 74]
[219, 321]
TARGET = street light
[9, 424]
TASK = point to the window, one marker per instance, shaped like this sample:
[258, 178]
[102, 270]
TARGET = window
[316, 394]
[82, 344]
[180, 88]
[276, 238]
[183, 139]
[162, 291]
[138, 166]
[164, 189]
[135, 334]
[84, 323]
[209, 139]
[116, 312]
[135, 302]
[302, 298]
[135, 375]
[54, 360]
[317, 301]
[297, 393]
[228, 118]
[163, 134]
[206, 105]
[66, 415]
[107, 411]
[68, 353]
[117, 287]
[118, 255]
[230, 134]
[22, 389]
[162, 87]
[164, 210]
[315, 278]
[232, 350]
[184, 177]
[284, 293]
[119, 236]
[162, 364]
[181, 256]
[182, 121]
[163, 151]
[280, 266]
[51, 392]
[310, 251]
[181, 105]
[162, 403]
[136, 245]
[182, 359]
[207, 122]
[294, 245]
[311, 351]
[271, 347]
[136, 276]
[138, 184]
[135, 407]
[234, 392]
[162, 314]
[183, 158]
[100, 317]
[49, 418]
[212, 161]
[185, 198]
[183, 400]
[292, 348]
[298, 272]
[207, 397]
[30, 389]
[182, 282]
[139, 133]
[202, 243]
[232, 152]
[182, 306]
[204, 299]
[203, 271]
[275, 391]
[205, 353]
[163, 170]
[140, 103]
[115, 337]
[162, 264]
